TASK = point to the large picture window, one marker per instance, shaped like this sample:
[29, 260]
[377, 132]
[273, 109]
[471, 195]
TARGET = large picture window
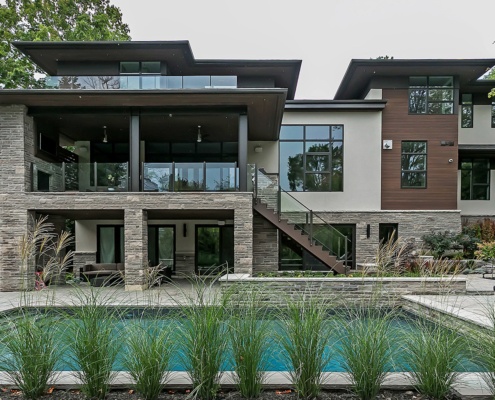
[431, 95]
[475, 179]
[413, 165]
[467, 111]
[311, 157]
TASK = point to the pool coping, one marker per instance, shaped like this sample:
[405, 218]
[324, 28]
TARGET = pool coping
[471, 384]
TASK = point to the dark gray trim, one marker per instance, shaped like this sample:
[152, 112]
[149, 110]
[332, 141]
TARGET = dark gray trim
[242, 151]
[315, 105]
[476, 147]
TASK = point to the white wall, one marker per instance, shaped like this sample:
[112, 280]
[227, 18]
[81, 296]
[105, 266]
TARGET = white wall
[267, 159]
[362, 161]
[374, 94]
[86, 232]
[481, 132]
[477, 207]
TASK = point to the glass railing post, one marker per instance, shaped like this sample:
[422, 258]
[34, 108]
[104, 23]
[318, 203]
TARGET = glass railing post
[31, 171]
[311, 227]
[235, 177]
[96, 176]
[204, 178]
[172, 177]
[63, 176]
[345, 257]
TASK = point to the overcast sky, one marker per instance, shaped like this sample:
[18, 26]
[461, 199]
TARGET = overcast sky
[324, 34]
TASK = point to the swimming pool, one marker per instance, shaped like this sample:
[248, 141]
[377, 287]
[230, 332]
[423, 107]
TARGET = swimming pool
[275, 361]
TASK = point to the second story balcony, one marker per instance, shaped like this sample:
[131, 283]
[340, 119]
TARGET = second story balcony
[141, 82]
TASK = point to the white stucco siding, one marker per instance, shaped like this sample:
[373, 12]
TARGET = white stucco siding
[362, 161]
[481, 132]
[267, 158]
[374, 94]
[86, 232]
[477, 207]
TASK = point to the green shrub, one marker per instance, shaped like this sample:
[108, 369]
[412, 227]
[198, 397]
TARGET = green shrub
[439, 242]
[486, 251]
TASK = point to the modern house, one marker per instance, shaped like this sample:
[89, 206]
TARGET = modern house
[159, 157]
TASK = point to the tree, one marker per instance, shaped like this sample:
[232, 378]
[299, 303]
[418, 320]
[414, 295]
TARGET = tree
[51, 20]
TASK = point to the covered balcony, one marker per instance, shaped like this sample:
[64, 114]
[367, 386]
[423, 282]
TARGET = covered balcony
[153, 151]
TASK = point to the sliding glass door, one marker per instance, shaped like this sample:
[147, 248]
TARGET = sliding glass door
[214, 249]
[161, 245]
[110, 244]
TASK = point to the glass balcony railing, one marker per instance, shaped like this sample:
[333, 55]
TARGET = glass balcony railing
[140, 82]
[114, 177]
[180, 177]
[80, 177]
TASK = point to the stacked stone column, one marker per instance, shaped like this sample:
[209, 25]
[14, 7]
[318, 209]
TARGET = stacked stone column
[136, 248]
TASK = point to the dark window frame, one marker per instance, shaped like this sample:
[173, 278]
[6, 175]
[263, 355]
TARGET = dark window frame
[305, 154]
[383, 226]
[117, 230]
[423, 171]
[156, 255]
[426, 96]
[472, 185]
[493, 115]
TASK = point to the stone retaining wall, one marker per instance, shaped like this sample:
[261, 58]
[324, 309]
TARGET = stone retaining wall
[348, 290]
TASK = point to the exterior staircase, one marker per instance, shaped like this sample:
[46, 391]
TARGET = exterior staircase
[294, 219]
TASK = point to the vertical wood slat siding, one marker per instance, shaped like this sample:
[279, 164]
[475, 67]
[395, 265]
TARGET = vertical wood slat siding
[398, 125]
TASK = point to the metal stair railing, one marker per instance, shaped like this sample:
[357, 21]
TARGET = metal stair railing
[268, 191]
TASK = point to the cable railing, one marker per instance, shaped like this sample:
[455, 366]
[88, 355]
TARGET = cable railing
[319, 232]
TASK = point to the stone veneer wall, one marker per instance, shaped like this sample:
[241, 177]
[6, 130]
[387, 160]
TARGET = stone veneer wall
[348, 290]
[412, 225]
[265, 245]
[13, 222]
[80, 259]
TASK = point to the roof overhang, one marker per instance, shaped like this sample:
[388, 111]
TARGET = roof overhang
[177, 54]
[264, 107]
[360, 73]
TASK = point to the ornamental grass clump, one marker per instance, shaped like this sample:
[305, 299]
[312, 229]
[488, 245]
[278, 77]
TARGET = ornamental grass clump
[93, 341]
[30, 352]
[203, 337]
[483, 348]
[304, 334]
[150, 346]
[249, 330]
[433, 354]
[366, 338]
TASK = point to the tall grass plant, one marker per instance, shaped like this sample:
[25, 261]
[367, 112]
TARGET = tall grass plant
[203, 337]
[250, 331]
[304, 335]
[366, 347]
[93, 340]
[433, 354]
[150, 347]
[31, 352]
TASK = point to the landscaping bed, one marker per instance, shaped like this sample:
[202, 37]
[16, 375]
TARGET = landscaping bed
[282, 394]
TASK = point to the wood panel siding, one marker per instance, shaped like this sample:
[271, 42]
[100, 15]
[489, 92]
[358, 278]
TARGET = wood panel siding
[441, 178]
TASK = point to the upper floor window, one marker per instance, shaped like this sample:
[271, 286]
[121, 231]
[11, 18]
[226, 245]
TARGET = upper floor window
[475, 179]
[140, 67]
[493, 114]
[311, 157]
[413, 165]
[467, 111]
[431, 95]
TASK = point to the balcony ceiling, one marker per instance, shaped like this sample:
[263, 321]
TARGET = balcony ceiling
[264, 108]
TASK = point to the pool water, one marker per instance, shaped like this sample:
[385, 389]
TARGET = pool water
[275, 361]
